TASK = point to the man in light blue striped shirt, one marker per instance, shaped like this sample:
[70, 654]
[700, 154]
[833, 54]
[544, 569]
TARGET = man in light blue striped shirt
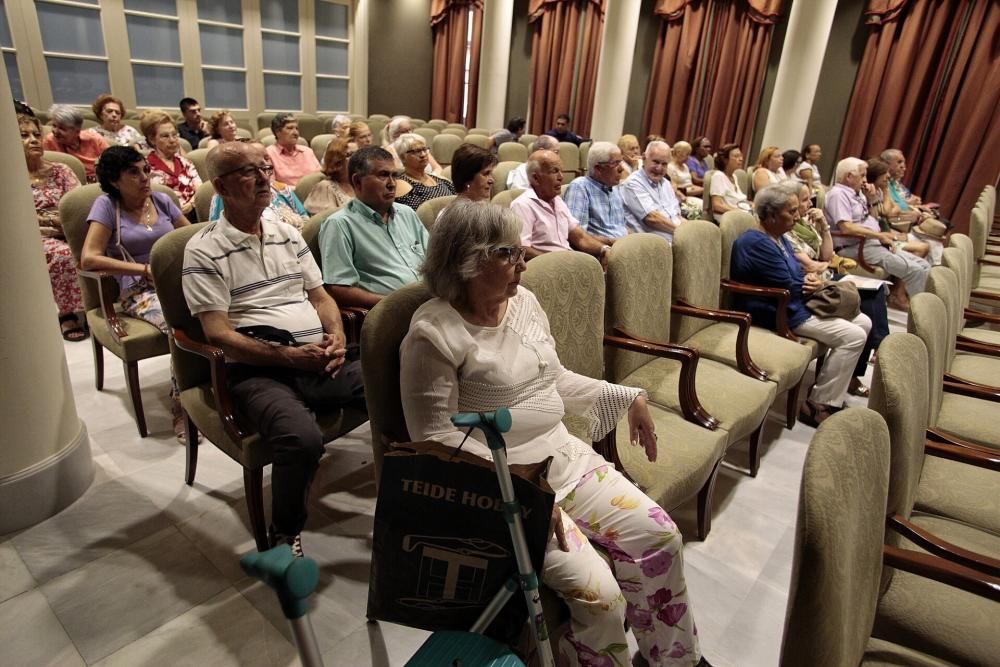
[594, 200]
[650, 202]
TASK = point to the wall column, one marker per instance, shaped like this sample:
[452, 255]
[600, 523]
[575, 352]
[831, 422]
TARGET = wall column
[798, 73]
[494, 62]
[45, 461]
[621, 23]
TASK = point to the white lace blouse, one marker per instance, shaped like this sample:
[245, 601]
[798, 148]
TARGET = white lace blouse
[450, 366]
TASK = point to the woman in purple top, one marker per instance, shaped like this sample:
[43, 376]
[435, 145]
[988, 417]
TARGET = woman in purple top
[124, 225]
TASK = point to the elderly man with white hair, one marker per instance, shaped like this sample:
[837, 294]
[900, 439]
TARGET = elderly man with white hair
[547, 224]
[847, 211]
[517, 178]
[68, 136]
[650, 202]
[594, 200]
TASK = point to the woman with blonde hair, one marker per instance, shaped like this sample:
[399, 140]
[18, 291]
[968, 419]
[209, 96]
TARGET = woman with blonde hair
[334, 191]
[222, 126]
[768, 169]
[360, 134]
[628, 144]
[680, 173]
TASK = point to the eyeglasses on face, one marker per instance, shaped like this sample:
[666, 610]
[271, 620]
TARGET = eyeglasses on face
[611, 163]
[513, 254]
[250, 171]
[418, 151]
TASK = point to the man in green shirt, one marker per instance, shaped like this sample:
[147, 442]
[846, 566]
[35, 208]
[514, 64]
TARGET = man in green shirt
[372, 246]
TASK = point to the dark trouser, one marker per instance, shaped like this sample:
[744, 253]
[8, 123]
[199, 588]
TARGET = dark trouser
[269, 400]
[873, 304]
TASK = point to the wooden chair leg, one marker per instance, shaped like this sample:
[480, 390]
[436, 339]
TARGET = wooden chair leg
[705, 503]
[132, 381]
[253, 485]
[192, 450]
[98, 363]
[754, 462]
[792, 405]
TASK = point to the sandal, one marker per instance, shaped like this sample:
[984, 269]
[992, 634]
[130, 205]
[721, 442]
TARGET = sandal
[813, 414]
[180, 424]
[858, 388]
[73, 334]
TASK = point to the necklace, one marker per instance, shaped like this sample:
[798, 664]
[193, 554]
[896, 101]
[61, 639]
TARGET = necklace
[147, 217]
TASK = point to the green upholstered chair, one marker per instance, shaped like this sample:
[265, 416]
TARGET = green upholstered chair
[480, 140]
[70, 161]
[382, 117]
[507, 196]
[437, 123]
[264, 121]
[960, 413]
[200, 369]
[512, 151]
[352, 316]
[428, 133]
[855, 599]
[701, 404]
[728, 336]
[306, 184]
[203, 200]
[569, 155]
[198, 158]
[958, 257]
[185, 145]
[527, 140]
[953, 492]
[986, 263]
[443, 147]
[502, 170]
[706, 209]
[742, 179]
[454, 132]
[128, 338]
[310, 125]
[481, 131]
[319, 143]
[429, 210]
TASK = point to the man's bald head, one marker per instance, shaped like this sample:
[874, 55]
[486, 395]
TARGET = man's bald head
[232, 155]
[544, 169]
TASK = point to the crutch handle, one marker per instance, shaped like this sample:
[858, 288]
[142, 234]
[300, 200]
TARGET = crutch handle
[294, 579]
[491, 423]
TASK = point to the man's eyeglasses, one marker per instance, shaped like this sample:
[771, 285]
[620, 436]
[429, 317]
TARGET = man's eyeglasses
[250, 171]
[513, 254]
[611, 163]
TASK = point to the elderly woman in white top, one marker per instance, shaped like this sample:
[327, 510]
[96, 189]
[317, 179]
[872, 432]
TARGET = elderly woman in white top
[484, 343]
[768, 169]
[724, 191]
[393, 130]
[807, 171]
[680, 173]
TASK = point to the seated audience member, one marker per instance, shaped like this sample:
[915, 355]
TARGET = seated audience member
[513, 132]
[548, 225]
[650, 138]
[561, 131]
[49, 182]
[808, 169]
[888, 215]
[122, 226]
[68, 136]
[628, 144]
[194, 128]
[846, 210]
[340, 125]
[290, 160]
[813, 246]
[223, 128]
[768, 169]
[595, 200]
[763, 256]
[650, 202]
[790, 160]
[472, 172]
[168, 167]
[373, 245]
[485, 336]
[724, 191]
[110, 111]
[701, 148]
[901, 195]
[393, 130]
[417, 185]
[360, 134]
[679, 172]
[230, 292]
[285, 206]
[335, 190]
[517, 178]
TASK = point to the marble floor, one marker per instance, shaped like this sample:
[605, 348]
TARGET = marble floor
[143, 570]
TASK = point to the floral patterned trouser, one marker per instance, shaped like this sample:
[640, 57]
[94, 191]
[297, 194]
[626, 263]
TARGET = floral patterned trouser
[646, 584]
[140, 301]
[62, 275]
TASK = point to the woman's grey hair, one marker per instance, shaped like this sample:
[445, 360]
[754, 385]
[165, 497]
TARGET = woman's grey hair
[393, 128]
[464, 234]
[771, 199]
[407, 142]
[65, 115]
[280, 120]
[601, 151]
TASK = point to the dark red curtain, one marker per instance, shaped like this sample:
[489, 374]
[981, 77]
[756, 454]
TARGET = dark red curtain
[928, 85]
[449, 27]
[708, 68]
[560, 26]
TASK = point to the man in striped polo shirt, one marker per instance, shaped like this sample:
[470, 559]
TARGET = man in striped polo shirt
[252, 283]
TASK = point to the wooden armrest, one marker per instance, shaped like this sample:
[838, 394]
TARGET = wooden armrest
[992, 252]
[972, 391]
[220, 388]
[989, 296]
[779, 294]
[981, 316]
[744, 361]
[930, 542]
[987, 262]
[940, 437]
[104, 286]
[690, 405]
[938, 569]
[862, 262]
[354, 318]
[989, 460]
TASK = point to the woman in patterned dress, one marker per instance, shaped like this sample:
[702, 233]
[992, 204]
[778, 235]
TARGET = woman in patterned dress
[167, 166]
[484, 343]
[416, 186]
[335, 190]
[110, 111]
[49, 182]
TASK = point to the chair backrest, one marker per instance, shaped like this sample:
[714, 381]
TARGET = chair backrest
[960, 263]
[186, 146]
[507, 196]
[569, 155]
[376, 127]
[697, 252]
[899, 393]
[310, 233]
[570, 288]
[502, 170]
[318, 145]
[437, 123]
[198, 158]
[428, 133]
[379, 117]
[734, 224]
[527, 139]
[417, 122]
[927, 322]
[482, 131]
[264, 121]
[310, 125]
[706, 209]
[710, 161]
[838, 553]
[979, 228]
[264, 132]
[428, 211]
[480, 140]
[742, 179]
[943, 283]
[454, 132]
[640, 270]
[203, 200]
[584, 152]
[457, 126]
[446, 172]
[306, 184]
[443, 147]
[70, 161]
[512, 151]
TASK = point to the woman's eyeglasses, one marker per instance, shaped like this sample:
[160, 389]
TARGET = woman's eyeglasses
[513, 254]
[418, 151]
